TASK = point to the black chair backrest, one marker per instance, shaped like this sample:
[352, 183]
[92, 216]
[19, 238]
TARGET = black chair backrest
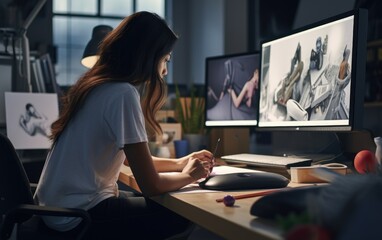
[14, 183]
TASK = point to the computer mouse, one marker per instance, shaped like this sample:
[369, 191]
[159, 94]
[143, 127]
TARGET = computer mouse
[285, 202]
[244, 180]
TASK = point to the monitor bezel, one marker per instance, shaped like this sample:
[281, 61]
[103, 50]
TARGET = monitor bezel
[228, 123]
[358, 73]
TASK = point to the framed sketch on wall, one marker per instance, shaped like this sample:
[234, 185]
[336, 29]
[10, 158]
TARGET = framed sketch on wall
[29, 117]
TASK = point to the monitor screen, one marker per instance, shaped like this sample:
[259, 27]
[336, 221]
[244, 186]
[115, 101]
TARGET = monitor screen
[231, 89]
[313, 78]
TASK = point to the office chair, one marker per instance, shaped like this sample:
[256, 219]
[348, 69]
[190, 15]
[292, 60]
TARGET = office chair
[20, 216]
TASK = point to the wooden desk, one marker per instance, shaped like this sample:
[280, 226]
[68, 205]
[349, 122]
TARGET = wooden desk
[202, 209]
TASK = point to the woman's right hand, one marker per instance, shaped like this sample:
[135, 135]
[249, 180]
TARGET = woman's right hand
[197, 168]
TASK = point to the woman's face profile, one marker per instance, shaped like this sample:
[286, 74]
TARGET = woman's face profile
[163, 65]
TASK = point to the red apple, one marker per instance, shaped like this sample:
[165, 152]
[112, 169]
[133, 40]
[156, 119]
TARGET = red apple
[365, 162]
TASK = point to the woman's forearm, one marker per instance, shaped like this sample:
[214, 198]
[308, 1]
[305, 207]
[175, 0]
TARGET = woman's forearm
[167, 164]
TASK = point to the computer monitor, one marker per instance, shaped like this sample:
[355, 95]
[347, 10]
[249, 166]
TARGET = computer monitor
[231, 87]
[313, 78]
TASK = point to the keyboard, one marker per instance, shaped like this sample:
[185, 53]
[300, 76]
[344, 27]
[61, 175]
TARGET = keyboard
[267, 160]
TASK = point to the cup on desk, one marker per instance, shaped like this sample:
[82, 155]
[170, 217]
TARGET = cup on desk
[181, 148]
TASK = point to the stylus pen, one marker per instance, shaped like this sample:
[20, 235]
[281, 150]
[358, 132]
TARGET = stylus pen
[214, 153]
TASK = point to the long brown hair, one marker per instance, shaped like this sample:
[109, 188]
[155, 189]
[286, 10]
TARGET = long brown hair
[130, 53]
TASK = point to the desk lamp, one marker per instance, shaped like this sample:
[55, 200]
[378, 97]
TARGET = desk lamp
[90, 56]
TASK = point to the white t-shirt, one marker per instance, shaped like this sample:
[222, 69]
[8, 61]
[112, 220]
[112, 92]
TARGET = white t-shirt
[83, 167]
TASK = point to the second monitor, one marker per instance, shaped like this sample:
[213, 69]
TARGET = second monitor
[231, 88]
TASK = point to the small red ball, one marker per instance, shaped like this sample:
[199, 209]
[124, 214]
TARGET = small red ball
[365, 162]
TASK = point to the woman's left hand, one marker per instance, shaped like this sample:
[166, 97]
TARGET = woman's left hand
[203, 155]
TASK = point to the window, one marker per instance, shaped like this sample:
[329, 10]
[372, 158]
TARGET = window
[73, 22]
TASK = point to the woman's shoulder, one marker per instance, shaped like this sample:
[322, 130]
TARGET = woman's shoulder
[114, 91]
[124, 85]
[118, 87]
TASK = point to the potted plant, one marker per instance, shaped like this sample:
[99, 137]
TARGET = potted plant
[190, 113]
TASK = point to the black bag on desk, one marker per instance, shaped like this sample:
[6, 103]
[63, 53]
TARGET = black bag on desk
[283, 203]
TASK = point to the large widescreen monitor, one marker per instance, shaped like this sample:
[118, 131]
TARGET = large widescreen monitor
[231, 90]
[313, 78]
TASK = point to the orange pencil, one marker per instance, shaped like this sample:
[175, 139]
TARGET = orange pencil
[250, 195]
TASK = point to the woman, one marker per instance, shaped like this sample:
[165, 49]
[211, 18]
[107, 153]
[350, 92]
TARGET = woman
[102, 124]
[33, 122]
[246, 92]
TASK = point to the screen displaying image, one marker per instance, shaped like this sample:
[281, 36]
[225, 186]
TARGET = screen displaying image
[306, 77]
[231, 90]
